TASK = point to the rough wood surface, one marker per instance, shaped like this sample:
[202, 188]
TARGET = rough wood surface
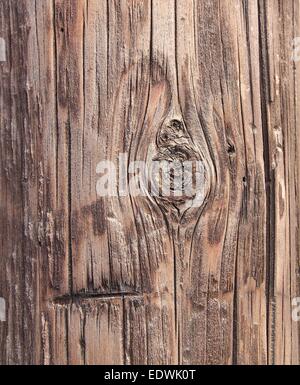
[130, 279]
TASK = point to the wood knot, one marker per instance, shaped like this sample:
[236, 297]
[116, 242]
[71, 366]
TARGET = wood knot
[174, 143]
[179, 172]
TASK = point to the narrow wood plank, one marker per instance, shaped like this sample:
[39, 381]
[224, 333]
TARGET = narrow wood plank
[119, 244]
[34, 164]
[148, 330]
[280, 24]
[226, 274]
[85, 332]
[251, 271]
[21, 172]
[104, 242]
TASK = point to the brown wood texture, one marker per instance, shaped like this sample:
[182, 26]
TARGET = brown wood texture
[134, 280]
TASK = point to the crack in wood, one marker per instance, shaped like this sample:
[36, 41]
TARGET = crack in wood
[77, 298]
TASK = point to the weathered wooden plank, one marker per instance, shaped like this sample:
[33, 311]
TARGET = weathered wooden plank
[226, 255]
[20, 174]
[280, 24]
[33, 181]
[84, 332]
[142, 279]
[148, 330]
[105, 256]
[251, 258]
[117, 242]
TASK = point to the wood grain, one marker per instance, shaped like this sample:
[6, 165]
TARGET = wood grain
[140, 279]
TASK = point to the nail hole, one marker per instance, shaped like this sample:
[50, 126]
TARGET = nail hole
[176, 124]
[230, 149]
